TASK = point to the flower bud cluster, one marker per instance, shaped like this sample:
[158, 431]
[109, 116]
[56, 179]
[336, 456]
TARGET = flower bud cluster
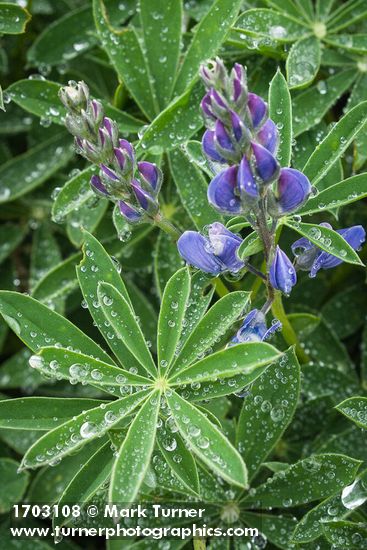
[241, 142]
[133, 185]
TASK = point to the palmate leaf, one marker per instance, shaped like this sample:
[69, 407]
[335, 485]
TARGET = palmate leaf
[76, 367]
[74, 194]
[355, 408]
[303, 62]
[122, 319]
[271, 24]
[277, 529]
[171, 316]
[98, 266]
[250, 245]
[134, 455]
[215, 323]
[328, 240]
[353, 535]
[13, 18]
[41, 413]
[178, 457]
[74, 434]
[238, 359]
[88, 480]
[280, 111]
[163, 19]
[37, 326]
[313, 478]
[335, 143]
[14, 484]
[268, 410]
[206, 441]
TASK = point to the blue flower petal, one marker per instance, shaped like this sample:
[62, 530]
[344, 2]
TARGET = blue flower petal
[282, 275]
[222, 192]
[196, 250]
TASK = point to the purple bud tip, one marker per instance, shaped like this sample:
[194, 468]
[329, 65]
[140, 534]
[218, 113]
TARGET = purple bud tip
[223, 193]
[206, 106]
[108, 124]
[130, 213]
[258, 109]
[266, 165]
[209, 147]
[222, 137]
[120, 157]
[150, 173]
[126, 146]
[268, 136]
[245, 180]
[98, 186]
[237, 125]
[143, 198]
[282, 275]
[294, 189]
[109, 173]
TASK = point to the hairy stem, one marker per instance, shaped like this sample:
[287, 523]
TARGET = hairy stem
[287, 330]
[199, 544]
[166, 226]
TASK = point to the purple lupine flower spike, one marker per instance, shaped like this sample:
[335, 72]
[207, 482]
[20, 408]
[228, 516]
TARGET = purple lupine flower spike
[214, 254]
[293, 189]
[223, 141]
[145, 200]
[266, 165]
[222, 192]
[282, 275]
[254, 329]
[311, 258]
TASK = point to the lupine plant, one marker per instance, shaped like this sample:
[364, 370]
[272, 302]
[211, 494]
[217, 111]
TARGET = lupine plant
[182, 266]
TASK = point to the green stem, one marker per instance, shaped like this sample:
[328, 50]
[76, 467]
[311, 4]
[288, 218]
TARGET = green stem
[167, 227]
[287, 330]
[199, 544]
[220, 287]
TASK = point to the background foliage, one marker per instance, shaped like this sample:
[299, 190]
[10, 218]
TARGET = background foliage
[301, 430]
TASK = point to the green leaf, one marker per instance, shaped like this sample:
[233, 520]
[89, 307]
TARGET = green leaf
[345, 311]
[167, 261]
[303, 62]
[98, 266]
[58, 283]
[74, 194]
[346, 15]
[207, 38]
[15, 373]
[268, 410]
[277, 529]
[40, 97]
[356, 43]
[328, 240]
[310, 479]
[37, 326]
[13, 18]
[41, 413]
[177, 123]
[79, 430]
[77, 367]
[122, 319]
[311, 525]
[178, 457]
[88, 480]
[352, 535]
[45, 253]
[344, 192]
[335, 143]
[162, 19]
[319, 382]
[284, 6]
[27, 171]
[64, 39]
[355, 408]
[252, 244]
[86, 218]
[126, 55]
[11, 236]
[192, 188]
[238, 359]
[201, 293]
[271, 24]
[133, 459]
[171, 315]
[215, 323]
[323, 8]
[14, 483]
[194, 152]
[310, 106]
[280, 111]
[207, 442]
